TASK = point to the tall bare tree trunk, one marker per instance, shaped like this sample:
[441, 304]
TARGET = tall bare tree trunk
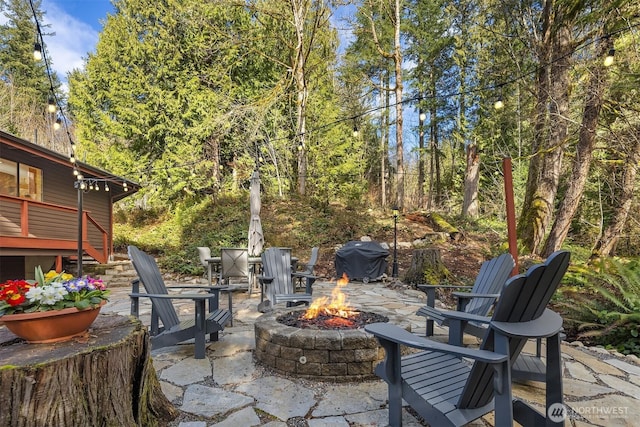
[436, 150]
[299, 11]
[584, 154]
[540, 129]
[397, 59]
[212, 152]
[432, 161]
[384, 137]
[540, 212]
[470, 205]
[420, 159]
[607, 242]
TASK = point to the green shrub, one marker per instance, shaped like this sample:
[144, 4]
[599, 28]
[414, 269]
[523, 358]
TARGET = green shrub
[601, 305]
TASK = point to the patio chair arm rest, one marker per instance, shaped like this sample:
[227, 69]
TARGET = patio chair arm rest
[173, 296]
[303, 274]
[202, 287]
[395, 334]
[469, 295]
[424, 288]
[547, 325]
[430, 290]
[304, 268]
[265, 279]
[464, 316]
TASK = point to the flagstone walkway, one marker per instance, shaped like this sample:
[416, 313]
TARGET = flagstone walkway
[229, 389]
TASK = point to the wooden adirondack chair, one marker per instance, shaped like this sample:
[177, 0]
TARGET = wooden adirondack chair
[276, 282]
[305, 272]
[173, 330]
[446, 391]
[492, 276]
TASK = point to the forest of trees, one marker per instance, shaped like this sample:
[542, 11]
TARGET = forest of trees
[388, 101]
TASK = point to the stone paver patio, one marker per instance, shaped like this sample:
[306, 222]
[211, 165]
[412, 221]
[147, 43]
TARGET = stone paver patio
[229, 389]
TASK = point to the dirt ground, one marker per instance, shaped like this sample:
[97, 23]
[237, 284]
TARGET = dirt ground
[462, 256]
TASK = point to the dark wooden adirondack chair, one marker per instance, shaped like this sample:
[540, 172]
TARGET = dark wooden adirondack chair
[492, 276]
[173, 330]
[446, 391]
[305, 273]
[276, 282]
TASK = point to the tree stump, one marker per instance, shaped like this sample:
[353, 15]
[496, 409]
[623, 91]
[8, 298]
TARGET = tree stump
[426, 267]
[103, 379]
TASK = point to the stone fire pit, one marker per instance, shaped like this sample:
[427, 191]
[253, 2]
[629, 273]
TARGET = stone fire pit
[328, 355]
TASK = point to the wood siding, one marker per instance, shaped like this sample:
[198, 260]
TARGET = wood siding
[50, 227]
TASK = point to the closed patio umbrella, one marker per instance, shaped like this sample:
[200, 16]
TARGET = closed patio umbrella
[256, 237]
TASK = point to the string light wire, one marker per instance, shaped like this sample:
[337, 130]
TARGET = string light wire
[52, 94]
[63, 119]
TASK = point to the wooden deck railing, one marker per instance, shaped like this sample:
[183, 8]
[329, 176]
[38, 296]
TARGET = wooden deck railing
[47, 227]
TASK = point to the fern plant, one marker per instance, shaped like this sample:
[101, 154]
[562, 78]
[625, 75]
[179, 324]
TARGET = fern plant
[602, 303]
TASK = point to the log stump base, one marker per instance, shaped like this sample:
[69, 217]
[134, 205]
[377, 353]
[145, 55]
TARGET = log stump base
[105, 378]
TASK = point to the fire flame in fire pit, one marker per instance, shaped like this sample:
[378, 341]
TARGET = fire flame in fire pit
[337, 306]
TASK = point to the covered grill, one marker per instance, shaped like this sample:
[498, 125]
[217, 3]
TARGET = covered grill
[363, 261]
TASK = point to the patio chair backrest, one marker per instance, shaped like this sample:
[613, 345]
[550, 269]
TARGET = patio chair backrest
[151, 278]
[490, 279]
[276, 263]
[204, 253]
[234, 262]
[312, 260]
[523, 298]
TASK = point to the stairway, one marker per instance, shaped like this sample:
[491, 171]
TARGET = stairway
[115, 274]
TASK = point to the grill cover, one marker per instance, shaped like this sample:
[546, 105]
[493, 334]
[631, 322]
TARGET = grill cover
[361, 261]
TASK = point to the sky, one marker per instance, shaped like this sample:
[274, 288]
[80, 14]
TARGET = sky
[75, 25]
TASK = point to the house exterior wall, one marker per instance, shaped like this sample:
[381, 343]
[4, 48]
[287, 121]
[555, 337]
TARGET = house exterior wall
[43, 230]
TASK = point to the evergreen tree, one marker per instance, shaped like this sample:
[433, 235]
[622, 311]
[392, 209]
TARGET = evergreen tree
[25, 86]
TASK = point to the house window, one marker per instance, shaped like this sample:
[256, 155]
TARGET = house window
[20, 180]
[30, 182]
[8, 177]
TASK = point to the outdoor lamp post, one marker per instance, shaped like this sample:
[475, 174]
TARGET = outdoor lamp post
[394, 271]
[80, 186]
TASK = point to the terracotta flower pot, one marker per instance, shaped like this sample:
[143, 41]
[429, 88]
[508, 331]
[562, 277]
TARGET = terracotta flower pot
[51, 326]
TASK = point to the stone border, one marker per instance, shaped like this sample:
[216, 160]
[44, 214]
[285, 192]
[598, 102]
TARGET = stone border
[326, 355]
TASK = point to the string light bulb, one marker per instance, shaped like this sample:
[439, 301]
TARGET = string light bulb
[499, 104]
[75, 172]
[72, 158]
[608, 60]
[37, 51]
[356, 133]
[57, 124]
[51, 106]
[423, 117]
[106, 186]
